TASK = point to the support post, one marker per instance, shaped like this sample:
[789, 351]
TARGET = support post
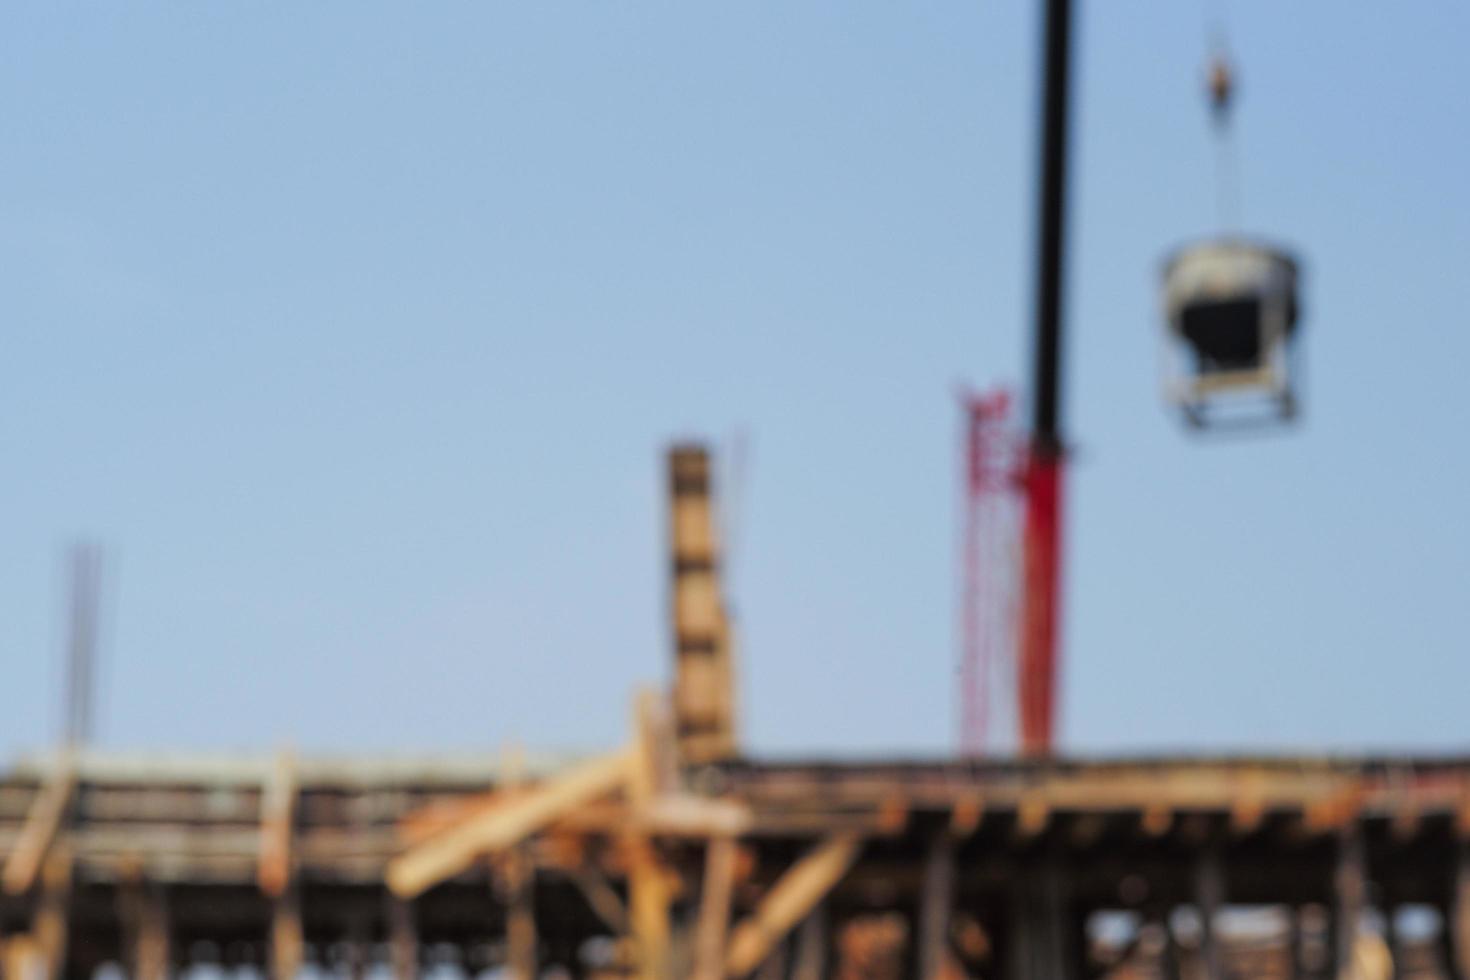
[649, 902]
[1457, 923]
[811, 946]
[517, 879]
[277, 826]
[1209, 896]
[516, 876]
[704, 699]
[403, 939]
[1293, 942]
[1350, 885]
[935, 907]
[714, 909]
[649, 897]
[1169, 957]
[148, 946]
[50, 929]
[288, 944]
[1042, 944]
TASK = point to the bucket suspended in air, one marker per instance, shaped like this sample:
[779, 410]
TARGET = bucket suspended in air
[1231, 310]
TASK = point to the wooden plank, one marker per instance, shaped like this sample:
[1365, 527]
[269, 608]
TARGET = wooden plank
[50, 925]
[455, 849]
[287, 941]
[277, 820]
[601, 897]
[936, 905]
[42, 825]
[649, 899]
[516, 875]
[714, 909]
[21, 959]
[143, 912]
[518, 882]
[790, 899]
[686, 815]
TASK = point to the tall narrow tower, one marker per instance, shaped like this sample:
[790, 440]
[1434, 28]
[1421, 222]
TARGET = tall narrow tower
[704, 696]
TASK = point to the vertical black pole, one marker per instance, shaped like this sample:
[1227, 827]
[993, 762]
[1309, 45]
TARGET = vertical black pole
[1051, 231]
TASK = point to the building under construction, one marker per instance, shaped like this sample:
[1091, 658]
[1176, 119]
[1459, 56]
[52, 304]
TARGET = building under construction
[674, 856]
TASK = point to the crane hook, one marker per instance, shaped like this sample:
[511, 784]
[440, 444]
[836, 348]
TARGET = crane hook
[1221, 87]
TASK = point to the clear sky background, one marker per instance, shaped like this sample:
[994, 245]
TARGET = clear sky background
[355, 331]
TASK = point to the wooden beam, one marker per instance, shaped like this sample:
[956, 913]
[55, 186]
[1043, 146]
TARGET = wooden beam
[42, 825]
[1457, 924]
[50, 926]
[649, 895]
[518, 882]
[714, 909]
[287, 941]
[455, 849]
[148, 948]
[790, 899]
[21, 957]
[649, 899]
[515, 874]
[1351, 892]
[936, 905]
[686, 815]
[601, 897]
[277, 822]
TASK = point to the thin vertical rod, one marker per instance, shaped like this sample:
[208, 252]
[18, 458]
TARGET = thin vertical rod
[86, 570]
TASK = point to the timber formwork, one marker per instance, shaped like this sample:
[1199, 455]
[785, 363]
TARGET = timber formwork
[633, 864]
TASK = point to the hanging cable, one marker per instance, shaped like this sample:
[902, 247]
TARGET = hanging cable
[1220, 88]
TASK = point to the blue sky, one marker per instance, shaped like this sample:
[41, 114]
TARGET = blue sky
[355, 331]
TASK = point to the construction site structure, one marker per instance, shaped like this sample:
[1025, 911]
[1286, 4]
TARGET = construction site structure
[676, 857]
[618, 866]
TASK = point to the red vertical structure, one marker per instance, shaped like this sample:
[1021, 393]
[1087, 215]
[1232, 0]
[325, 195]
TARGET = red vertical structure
[990, 496]
[1038, 678]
